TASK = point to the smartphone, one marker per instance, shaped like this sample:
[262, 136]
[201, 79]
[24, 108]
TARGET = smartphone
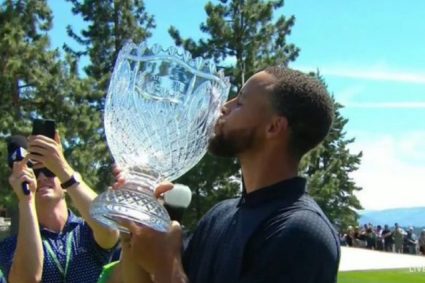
[45, 127]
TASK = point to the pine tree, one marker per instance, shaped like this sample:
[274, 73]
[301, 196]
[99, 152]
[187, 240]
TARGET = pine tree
[242, 31]
[112, 23]
[245, 31]
[25, 62]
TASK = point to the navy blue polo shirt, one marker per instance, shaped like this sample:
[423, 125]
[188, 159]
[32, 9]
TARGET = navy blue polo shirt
[86, 257]
[275, 234]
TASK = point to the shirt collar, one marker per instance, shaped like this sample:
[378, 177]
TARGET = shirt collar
[286, 189]
[71, 222]
[72, 218]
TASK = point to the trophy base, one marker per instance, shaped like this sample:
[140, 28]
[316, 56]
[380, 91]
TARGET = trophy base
[130, 203]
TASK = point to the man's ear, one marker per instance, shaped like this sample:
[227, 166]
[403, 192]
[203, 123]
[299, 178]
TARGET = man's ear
[277, 126]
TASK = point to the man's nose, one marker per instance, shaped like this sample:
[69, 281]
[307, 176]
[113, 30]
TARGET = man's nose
[224, 109]
[227, 107]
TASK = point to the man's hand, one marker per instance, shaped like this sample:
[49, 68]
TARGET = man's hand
[49, 153]
[158, 253]
[20, 174]
[27, 264]
[154, 244]
[120, 182]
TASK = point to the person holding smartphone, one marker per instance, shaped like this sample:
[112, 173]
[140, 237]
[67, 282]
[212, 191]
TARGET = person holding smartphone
[53, 244]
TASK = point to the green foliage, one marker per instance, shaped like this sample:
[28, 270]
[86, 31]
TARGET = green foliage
[387, 276]
[25, 66]
[242, 31]
[111, 23]
[25, 63]
[245, 31]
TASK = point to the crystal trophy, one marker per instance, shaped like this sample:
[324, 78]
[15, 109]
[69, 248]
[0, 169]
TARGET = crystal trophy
[160, 113]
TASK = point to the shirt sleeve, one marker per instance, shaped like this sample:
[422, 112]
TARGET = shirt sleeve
[7, 251]
[102, 255]
[301, 249]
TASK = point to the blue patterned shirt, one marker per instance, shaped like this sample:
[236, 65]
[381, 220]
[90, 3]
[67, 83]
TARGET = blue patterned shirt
[86, 257]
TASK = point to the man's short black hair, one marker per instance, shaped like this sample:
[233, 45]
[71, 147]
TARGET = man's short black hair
[306, 103]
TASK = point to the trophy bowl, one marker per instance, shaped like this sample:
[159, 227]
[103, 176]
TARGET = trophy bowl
[160, 113]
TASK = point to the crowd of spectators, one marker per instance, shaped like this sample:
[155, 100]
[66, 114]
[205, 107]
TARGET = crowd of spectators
[390, 239]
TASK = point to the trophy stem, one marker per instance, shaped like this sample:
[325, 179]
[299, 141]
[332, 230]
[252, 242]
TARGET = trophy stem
[141, 180]
[135, 201]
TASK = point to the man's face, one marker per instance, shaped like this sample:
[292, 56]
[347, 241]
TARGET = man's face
[48, 188]
[241, 126]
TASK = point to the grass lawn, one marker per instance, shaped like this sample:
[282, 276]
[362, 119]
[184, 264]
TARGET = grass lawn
[383, 276]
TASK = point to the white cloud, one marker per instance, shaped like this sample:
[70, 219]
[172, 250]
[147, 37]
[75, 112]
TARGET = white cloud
[412, 147]
[377, 72]
[349, 92]
[364, 74]
[386, 105]
[392, 172]
[376, 75]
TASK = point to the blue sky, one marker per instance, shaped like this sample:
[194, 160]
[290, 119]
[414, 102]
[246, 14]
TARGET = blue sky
[372, 55]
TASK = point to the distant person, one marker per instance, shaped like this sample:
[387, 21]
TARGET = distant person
[361, 237]
[357, 242]
[398, 235]
[379, 238]
[53, 244]
[422, 242]
[411, 241]
[349, 236]
[370, 237]
[387, 235]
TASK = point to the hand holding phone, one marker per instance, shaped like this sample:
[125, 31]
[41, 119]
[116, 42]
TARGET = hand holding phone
[46, 149]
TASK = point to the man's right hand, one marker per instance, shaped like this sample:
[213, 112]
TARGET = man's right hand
[22, 173]
[27, 264]
[120, 182]
[157, 253]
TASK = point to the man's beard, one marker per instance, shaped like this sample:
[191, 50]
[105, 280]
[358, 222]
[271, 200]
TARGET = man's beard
[233, 144]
